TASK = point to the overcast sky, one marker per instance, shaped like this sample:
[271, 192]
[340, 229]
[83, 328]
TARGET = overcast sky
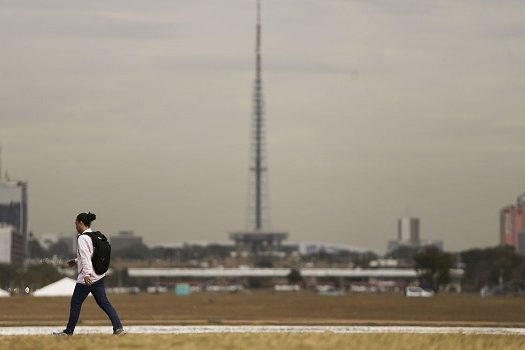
[140, 112]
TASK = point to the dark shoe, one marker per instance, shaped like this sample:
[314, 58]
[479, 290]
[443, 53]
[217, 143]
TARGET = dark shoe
[119, 331]
[62, 334]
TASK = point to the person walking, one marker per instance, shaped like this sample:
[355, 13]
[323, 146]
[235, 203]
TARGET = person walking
[88, 280]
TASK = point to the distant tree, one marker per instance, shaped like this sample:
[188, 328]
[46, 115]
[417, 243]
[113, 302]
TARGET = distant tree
[294, 277]
[518, 272]
[8, 274]
[118, 278]
[433, 267]
[133, 252]
[36, 251]
[60, 249]
[363, 259]
[167, 254]
[254, 283]
[403, 252]
[218, 251]
[486, 266]
[37, 276]
[264, 263]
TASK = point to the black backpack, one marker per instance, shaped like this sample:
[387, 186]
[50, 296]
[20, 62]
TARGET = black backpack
[101, 252]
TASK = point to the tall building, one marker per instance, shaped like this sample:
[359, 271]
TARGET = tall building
[512, 223]
[13, 206]
[408, 230]
[258, 240]
[408, 235]
[11, 246]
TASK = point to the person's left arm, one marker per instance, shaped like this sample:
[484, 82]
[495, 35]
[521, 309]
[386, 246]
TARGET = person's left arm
[85, 251]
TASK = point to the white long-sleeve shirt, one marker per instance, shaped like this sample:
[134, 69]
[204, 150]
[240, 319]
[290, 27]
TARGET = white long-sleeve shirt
[83, 260]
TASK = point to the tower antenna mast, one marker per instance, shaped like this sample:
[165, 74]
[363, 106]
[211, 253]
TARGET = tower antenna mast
[258, 158]
[258, 240]
[1, 162]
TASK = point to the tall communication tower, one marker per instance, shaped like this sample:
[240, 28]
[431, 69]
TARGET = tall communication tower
[258, 168]
[258, 241]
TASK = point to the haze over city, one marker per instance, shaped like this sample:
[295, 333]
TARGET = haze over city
[140, 111]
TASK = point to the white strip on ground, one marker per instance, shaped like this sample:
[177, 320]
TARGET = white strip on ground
[266, 329]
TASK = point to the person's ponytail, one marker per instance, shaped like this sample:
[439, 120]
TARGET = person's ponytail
[86, 218]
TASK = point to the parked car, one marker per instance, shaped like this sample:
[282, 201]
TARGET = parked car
[418, 292]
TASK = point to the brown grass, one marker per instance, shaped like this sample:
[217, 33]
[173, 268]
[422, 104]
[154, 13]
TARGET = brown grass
[273, 308]
[267, 341]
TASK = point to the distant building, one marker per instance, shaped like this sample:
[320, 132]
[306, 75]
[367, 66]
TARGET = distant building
[13, 207]
[408, 230]
[408, 235]
[259, 243]
[202, 244]
[125, 239]
[309, 247]
[393, 245]
[511, 221]
[11, 246]
[384, 263]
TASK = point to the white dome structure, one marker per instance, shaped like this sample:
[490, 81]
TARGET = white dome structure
[60, 288]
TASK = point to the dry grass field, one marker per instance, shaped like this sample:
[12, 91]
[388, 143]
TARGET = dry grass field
[266, 341]
[274, 308]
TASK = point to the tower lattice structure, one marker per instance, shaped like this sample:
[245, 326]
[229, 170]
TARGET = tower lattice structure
[258, 240]
[258, 171]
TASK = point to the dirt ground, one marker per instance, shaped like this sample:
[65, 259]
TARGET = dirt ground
[267, 341]
[274, 308]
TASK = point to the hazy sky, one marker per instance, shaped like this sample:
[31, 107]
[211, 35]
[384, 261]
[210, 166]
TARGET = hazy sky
[140, 111]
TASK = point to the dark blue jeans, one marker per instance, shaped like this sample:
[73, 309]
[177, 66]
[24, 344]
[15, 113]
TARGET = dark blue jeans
[99, 293]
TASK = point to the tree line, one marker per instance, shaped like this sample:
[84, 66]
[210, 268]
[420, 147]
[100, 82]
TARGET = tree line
[499, 267]
[493, 267]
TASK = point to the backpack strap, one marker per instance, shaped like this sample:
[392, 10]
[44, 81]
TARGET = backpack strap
[89, 234]
[94, 235]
